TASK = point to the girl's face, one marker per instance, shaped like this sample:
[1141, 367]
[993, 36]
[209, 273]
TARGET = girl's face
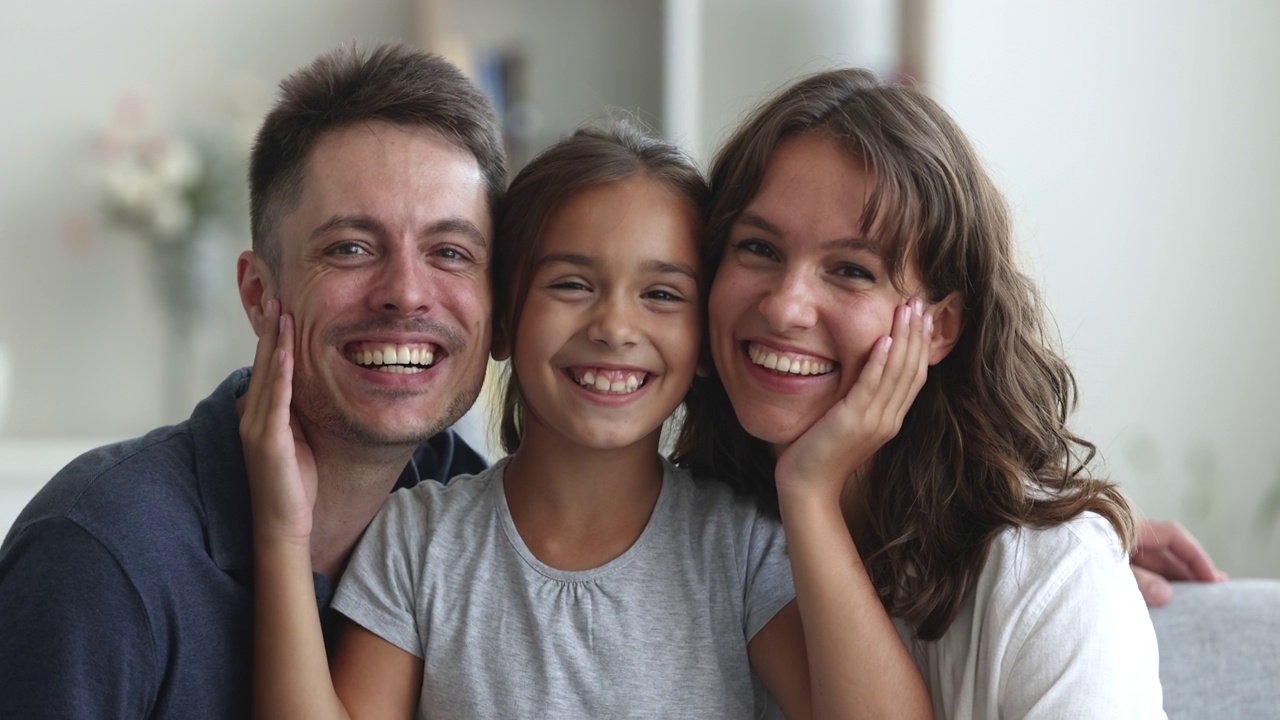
[607, 340]
[801, 294]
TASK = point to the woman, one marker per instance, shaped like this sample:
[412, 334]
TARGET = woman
[978, 527]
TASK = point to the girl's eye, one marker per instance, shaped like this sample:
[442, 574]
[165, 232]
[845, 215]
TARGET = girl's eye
[663, 295]
[756, 247]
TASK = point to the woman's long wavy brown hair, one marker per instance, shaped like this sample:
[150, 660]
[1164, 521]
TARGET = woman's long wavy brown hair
[986, 443]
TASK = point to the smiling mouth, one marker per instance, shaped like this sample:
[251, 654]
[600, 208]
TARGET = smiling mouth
[609, 382]
[787, 363]
[396, 359]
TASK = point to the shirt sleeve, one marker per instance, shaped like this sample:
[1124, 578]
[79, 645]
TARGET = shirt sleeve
[767, 583]
[1087, 648]
[75, 639]
[379, 588]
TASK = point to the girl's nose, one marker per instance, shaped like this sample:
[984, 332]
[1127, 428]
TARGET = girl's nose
[613, 324]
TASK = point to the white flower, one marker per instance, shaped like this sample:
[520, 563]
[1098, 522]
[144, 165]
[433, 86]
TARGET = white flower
[177, 165]
[171, 217]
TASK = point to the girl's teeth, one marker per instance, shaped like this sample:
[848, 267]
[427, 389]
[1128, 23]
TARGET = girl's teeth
[600, 383]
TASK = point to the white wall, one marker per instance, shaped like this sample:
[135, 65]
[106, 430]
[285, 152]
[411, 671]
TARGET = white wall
[1138, 144]
[80, 320]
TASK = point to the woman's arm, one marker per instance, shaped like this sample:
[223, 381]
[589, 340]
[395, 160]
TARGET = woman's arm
[857, 663]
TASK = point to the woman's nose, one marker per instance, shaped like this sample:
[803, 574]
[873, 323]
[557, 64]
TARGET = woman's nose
[791, 303]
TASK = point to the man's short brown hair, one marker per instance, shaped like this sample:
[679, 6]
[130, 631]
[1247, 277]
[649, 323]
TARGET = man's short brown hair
[391, 82]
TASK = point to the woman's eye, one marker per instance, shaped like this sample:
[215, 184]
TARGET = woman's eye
[756, 247]
[856, 272]
[568, 285]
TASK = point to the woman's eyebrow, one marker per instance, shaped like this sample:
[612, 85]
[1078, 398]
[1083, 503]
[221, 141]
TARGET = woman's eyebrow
[753, 220]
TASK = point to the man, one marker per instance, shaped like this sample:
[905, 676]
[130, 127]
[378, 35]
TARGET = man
[126, 584]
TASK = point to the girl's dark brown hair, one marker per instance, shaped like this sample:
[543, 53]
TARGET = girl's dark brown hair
[589, 158]
[985, 445]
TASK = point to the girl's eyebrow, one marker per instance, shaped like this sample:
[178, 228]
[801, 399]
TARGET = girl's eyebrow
[659, 267]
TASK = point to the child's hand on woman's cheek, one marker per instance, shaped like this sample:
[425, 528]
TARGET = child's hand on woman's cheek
[850, 433]
[282, 471]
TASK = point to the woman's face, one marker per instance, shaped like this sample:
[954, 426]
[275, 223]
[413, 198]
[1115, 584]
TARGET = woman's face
[801, 294]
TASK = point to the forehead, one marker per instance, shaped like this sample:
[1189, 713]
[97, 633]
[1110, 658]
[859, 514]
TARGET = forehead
[626, 218]
[812, 185]
[402, 176]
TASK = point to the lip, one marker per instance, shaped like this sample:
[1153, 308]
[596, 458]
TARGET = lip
[608, 399]
[778, 382]
[394, 380]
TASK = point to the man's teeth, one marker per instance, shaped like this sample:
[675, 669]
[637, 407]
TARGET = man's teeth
[790, 365]
[394, 358]
[616, 386]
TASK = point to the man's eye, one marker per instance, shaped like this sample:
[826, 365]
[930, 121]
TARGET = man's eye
[347, 248]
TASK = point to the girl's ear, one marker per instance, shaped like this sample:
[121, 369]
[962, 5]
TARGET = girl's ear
[948, 323]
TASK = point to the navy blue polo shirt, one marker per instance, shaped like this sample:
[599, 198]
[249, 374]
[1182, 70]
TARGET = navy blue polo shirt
[126, 583]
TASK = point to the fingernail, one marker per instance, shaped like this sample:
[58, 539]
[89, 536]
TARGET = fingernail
[918, 306]
[928, 324]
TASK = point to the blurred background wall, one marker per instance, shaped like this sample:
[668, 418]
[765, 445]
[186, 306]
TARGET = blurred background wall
[1135, 141]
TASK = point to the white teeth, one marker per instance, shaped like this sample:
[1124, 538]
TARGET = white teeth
[600, 383]
[393, 356]
[784, 364]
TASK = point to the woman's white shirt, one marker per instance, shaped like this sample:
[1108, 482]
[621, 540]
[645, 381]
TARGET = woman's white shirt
[1054, 628]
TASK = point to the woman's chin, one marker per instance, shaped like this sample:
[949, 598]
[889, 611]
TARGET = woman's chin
[777, 432]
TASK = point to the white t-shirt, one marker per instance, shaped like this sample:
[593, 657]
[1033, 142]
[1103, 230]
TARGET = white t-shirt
[1054, 628]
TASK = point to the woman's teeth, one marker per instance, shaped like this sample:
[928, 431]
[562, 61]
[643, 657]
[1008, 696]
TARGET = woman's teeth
[618, 385]
[790, 365]
[394, 358]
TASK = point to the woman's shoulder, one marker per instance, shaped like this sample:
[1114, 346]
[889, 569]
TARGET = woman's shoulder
[1026, 565]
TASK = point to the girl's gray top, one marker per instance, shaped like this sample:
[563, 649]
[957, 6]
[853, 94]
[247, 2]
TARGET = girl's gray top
[659, 632]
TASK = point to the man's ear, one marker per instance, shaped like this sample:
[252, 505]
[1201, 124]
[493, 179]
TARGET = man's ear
[257, 286]
[948, 323]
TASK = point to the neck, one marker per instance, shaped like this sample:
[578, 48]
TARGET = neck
[353, 482]
[578, 508]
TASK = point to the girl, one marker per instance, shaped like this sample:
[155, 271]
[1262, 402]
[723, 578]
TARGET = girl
[583, 576]
[979, 526]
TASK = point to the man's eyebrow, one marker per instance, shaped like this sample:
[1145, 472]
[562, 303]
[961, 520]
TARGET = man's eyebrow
[347, 222]
[367, 223]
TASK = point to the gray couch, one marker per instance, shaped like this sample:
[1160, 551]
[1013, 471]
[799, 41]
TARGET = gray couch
[1220, 650]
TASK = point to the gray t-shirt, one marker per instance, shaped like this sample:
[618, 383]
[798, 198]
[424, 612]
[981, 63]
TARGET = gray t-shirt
[659, 632]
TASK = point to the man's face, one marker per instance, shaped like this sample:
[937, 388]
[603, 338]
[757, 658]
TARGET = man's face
[385, 270]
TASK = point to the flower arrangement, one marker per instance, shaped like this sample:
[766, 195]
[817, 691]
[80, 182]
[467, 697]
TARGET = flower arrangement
[161, 185]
